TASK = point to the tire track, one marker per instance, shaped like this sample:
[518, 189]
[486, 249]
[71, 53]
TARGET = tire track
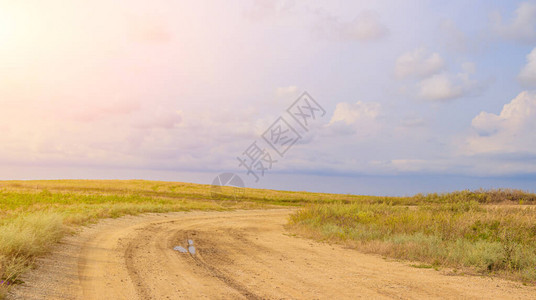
[239, 255]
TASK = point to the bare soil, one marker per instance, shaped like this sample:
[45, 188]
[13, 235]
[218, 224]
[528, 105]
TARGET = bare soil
[239, 254]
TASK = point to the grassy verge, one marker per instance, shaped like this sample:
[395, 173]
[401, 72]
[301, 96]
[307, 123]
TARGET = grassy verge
[489, 239]
[34, 215]
[450, 229]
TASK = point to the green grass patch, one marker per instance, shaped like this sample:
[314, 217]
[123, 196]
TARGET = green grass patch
[421, 266]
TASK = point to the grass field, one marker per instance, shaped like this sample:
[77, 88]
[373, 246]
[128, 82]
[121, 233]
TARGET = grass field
[486, 230]
[458, 230]
[36, 214]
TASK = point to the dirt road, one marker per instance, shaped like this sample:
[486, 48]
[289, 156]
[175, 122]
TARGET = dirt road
[241, 254]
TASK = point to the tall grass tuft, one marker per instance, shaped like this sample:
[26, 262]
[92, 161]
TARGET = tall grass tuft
[22, 239]
[31, 234]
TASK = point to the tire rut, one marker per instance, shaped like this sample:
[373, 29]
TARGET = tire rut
[240, 254]
[141, 288]
[225, 278]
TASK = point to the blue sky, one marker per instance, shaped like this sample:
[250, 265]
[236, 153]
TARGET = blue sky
[420, 96]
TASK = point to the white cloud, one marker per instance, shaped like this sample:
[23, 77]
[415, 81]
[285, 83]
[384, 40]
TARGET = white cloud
[365, 27]
[511, 131]
[418, 63]
[439, 87]
[354, 113]
[521, 28]
[499, 144]
[443, 86]
[429, 79]
[527, 75]
[358, 121]
[118, 135]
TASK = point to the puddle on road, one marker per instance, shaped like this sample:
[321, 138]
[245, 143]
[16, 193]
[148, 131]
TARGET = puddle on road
[180, 249]
[191, 248]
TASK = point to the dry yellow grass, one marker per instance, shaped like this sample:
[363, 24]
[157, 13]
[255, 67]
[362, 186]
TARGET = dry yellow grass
[498, 240]
[36, 214]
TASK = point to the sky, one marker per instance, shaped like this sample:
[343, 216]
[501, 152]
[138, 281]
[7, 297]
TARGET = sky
[411, 96]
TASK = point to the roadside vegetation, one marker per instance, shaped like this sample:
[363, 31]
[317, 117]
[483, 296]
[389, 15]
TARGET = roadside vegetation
[34, 215]
[487, 230]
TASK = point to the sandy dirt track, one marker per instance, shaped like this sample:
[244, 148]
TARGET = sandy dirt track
[240, 254]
